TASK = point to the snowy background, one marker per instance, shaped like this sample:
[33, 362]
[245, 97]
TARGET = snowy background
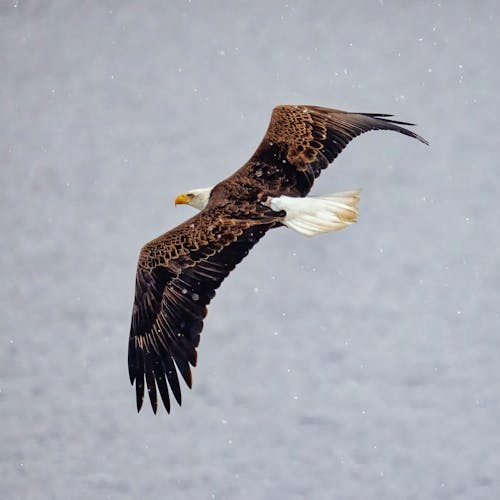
[362, 364]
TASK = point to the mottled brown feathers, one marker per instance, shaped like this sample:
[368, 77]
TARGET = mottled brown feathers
[303, 140]
[178, 272]
[177, 276]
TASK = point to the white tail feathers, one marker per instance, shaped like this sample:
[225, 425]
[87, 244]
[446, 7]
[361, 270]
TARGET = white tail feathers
[318, 214]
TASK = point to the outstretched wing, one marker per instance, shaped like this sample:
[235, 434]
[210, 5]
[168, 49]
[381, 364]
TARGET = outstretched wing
[302, 140]
[177, 276]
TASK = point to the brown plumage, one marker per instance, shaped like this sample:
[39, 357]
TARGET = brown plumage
[178, 272]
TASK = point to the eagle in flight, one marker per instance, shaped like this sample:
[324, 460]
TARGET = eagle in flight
[179, 272]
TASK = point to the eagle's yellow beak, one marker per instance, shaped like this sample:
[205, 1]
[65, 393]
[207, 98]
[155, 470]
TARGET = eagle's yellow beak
[182, 199]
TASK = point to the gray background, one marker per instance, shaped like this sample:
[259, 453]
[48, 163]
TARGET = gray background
[356, 365]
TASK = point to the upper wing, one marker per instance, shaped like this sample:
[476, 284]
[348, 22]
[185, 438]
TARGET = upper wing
[177, 276]
[302, 140]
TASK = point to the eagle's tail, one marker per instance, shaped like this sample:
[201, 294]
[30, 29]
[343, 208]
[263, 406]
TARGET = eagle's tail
[313, 215]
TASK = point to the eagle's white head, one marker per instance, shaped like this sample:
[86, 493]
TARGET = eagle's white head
[197, 198]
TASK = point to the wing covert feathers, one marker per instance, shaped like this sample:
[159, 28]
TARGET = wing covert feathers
[303, 140]
[171, 298]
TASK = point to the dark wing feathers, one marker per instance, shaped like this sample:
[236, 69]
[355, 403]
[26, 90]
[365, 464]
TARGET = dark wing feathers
[179, 272]
[303, 140]
[169, 306]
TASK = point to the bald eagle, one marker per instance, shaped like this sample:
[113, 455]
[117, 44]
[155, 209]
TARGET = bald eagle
[178, 272]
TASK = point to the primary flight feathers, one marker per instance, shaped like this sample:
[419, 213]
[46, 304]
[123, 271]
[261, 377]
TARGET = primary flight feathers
[179, 271]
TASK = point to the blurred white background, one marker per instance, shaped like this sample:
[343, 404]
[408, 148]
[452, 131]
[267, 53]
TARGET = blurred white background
[357, 365]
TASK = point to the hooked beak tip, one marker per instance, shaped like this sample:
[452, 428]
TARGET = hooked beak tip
[182, 199]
